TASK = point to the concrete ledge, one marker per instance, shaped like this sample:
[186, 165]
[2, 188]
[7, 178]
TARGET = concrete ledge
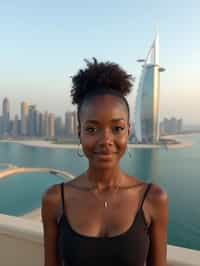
[21, 243]
[21, 228]
[177, 256]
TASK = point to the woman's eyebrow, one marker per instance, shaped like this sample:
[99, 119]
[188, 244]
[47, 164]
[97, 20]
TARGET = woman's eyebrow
[97, 122]
[92, 121]
[118, 119]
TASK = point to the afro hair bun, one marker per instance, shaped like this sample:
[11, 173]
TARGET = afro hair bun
[97, 76]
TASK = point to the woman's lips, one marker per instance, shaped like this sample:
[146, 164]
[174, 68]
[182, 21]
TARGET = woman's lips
[104, 155]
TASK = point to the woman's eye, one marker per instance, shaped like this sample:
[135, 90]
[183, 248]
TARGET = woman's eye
[118, 129]
[91, 129]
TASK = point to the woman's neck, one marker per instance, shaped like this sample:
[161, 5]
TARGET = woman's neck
[105, 179]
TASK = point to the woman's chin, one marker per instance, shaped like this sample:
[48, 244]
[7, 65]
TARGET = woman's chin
[102, 164]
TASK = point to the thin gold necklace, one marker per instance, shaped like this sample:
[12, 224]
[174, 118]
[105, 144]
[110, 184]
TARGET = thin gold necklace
[106, 205]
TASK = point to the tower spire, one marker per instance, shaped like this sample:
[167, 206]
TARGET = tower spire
[156, 49]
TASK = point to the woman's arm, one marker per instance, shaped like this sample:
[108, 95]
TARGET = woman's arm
[158, 229]
[50, 228]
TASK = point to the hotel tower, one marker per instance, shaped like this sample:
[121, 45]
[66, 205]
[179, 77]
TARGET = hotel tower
[147, 99]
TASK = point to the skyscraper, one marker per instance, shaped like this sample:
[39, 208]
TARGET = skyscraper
[71, 124]
[6, 116]
[51, 124]
[15, 126]
[58, 126]
[24, 118]
[147, 101]
[32, 120]
[46, 124]
[41, 125]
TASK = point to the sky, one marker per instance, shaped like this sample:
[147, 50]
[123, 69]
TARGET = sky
[43, 43]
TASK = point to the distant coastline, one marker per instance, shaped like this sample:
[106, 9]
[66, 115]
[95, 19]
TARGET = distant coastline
[50, 144]
[41, 144]
[189, 134]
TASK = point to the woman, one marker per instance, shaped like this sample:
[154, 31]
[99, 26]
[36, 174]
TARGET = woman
[104, 216]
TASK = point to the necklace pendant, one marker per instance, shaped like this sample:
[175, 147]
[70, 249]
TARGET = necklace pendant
[105, 204]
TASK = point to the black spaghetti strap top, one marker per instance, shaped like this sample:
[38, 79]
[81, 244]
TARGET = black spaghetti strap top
[127, 249]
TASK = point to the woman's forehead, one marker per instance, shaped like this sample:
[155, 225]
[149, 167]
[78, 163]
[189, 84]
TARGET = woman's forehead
[106, 107]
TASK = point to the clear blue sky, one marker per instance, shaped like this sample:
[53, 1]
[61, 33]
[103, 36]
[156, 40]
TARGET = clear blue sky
[43, 42]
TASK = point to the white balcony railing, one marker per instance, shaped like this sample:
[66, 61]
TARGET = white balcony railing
[21, 243]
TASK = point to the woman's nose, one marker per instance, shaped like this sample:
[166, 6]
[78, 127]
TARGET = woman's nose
[106, 137]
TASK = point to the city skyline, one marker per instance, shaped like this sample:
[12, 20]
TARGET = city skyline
[43, 44]
[33, 123]
[43, 110]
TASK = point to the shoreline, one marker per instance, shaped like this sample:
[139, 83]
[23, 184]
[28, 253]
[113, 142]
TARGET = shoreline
[180, 135]
[49, 144]
[41, 144]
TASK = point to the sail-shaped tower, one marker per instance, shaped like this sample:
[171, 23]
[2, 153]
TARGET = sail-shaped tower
[147, 99]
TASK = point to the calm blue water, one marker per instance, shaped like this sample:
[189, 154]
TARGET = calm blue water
[2, 167]
[176, 170]
[20, 194]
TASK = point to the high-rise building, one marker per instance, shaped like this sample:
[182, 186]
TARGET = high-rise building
[51, 125]
[179, 125]
[171, 126]
[6, 116]
[147, 101]
[58, 127]
[16, 126]
[41, 125]
[32, 120]
[75, 124]
[70, 124]
[37, 126]
[46, 124]
[24, 118]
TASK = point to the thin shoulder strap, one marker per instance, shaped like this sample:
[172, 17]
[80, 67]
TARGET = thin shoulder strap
[62, 197]
[145, 194]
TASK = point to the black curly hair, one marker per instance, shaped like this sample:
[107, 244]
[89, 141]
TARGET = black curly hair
[100, 78]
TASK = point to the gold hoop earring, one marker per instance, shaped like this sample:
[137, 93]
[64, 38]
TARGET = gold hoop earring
[129, 153]
[80, 151]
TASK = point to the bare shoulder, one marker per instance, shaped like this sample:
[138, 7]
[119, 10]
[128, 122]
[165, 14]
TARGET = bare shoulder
[158, 195]
[50, 202]
[158, 200]
[51, 198]
[51, 194]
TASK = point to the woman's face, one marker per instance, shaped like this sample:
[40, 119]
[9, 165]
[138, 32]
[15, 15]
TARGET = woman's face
[104, 130]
